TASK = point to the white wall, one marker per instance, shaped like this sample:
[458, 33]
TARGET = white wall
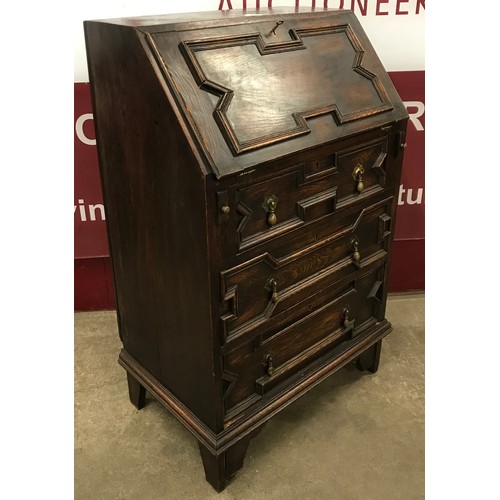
[398, 38]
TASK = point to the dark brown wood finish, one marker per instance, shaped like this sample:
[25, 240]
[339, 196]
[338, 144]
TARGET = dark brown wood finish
[221, 467]
[370, 358]
[156, 213]
[353, 307]
[249, 181]
[301, 273]
[136, 392]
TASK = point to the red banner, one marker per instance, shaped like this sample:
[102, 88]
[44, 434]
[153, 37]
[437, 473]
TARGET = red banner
[411, 217]
[89, 213]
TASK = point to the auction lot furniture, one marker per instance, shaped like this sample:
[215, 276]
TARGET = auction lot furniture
[249, 166]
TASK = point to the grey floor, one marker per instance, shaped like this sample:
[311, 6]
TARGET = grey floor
[354, 437]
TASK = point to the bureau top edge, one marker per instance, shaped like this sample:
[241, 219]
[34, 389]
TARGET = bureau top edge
[191, 20]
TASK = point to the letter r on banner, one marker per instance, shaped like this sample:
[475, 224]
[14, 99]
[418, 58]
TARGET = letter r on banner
[414, 117]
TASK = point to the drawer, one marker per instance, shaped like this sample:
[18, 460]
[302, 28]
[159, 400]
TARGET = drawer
[262, 293]
[321, 184]
[253, 369]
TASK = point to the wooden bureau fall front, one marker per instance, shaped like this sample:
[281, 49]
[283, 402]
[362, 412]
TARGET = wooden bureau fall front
[249, 166]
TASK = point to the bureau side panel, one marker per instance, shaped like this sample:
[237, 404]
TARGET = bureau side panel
[156, 207]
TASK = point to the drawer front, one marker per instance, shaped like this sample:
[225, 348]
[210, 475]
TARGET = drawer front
[260, 293]
[317, 187]
[253, 369]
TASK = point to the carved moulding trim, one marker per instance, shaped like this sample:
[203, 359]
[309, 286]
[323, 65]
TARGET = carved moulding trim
[225, 94]
[262, 384]
[301, 217]
[377, 165]
[229, 291]
[327, 365]
[377, 290]
[275, 263]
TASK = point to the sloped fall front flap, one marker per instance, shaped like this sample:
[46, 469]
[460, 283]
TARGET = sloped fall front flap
[263, 87]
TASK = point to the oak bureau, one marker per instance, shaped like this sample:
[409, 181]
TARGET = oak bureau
[249, 166]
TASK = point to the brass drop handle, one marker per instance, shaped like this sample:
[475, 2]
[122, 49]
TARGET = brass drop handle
[357, 175]
[269, 205]
[269, 365]
[346, 321]
[225, 209]
[356, 256]
[272, 286]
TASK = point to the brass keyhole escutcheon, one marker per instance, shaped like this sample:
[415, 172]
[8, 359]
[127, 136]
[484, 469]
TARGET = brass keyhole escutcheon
[357, 175]
[272, 286]
[269, 205]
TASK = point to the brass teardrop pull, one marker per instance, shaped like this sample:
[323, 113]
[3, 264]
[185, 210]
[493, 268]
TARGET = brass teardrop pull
[272, 219]
[356, 255]
[346, 321]
[268, 361]
[272, 286]
[269, 205]
[357, 175]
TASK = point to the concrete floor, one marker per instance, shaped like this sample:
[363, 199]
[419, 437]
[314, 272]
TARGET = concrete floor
[356, 436]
